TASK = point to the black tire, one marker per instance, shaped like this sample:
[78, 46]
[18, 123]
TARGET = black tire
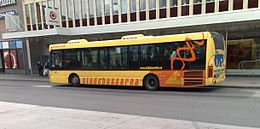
[74, 80]
[151, 83]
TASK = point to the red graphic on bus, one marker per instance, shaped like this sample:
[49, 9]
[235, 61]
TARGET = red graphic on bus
[190, 47]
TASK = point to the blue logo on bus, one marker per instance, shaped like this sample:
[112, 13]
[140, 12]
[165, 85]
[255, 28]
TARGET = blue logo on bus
[219, 60]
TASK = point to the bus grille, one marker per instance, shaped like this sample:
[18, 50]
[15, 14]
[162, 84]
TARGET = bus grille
[194, 78]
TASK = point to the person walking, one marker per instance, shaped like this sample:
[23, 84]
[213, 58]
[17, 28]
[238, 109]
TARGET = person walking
[40, 68]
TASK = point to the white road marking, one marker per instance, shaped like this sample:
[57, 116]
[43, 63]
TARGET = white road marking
[256, 93]
[42, 86]
[25, 116]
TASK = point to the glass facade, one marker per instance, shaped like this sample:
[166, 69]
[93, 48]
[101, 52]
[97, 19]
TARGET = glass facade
[73, 10]
[243, 53]
[12, 54]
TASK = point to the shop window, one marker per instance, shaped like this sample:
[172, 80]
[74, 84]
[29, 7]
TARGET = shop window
[13, 54]
[5, 45]
[10, 59]
[243, 54]
[19, 44]
[12, 44]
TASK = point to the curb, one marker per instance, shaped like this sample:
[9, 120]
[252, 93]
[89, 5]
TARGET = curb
[6, 79]
[215, 86]
[239, 87]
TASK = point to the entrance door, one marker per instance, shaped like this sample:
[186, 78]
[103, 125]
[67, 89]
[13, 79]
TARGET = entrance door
[1, 61]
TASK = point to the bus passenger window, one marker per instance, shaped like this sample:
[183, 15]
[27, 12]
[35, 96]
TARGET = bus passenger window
[151, 55]
[134, 57]
[169, 53]
[118, 58]
[56, 60]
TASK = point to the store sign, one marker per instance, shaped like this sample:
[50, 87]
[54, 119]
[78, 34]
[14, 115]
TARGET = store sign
[9, 12]
[52, 17]
[7, 2]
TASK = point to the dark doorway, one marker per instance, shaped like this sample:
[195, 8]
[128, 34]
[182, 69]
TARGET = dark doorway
[2, 67]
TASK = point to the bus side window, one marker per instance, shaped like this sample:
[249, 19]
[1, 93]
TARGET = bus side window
[169, 52]
[118, 58]
[103, 57]
[133, 57]
[151, 55]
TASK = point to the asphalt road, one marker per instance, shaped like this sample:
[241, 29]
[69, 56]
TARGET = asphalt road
[227, 106]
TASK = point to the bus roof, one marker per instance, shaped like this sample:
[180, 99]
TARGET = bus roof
[129, 40]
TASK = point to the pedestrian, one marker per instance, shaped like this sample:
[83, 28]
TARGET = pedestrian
[40, 68]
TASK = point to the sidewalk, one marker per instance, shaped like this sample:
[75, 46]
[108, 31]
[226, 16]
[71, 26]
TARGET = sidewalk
[24, 116]
[240, 82]
[15, 77]
[230, 82]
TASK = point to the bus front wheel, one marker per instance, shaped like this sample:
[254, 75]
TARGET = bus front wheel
[151, 83]
[74, 80]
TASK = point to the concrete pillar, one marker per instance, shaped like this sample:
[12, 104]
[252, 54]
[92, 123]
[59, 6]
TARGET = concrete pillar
[111, 11]
[128, 5]
[103, 11]
[157, 9]
[216, 5]
[168, 9]
[80, 13]
[178, 8]
[35, 15]
[28, 62]
[147, 9]
[119, 11]
[203, 7]
[137, 10]
[245, 4]
[191, 7]
[87, 12]
[25, 19]
[73, 14]
[230, 5]
[95, 11]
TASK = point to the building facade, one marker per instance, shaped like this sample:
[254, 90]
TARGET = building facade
[56, 21]
[12, 52]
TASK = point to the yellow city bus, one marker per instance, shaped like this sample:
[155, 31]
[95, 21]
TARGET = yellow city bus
[181, 60]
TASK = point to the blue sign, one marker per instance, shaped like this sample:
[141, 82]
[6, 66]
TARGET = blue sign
[7, 2]
[9, 12]
[219, 60]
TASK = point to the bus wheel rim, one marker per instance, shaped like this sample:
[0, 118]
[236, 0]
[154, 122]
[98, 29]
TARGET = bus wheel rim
[152, 83]
[75, 80]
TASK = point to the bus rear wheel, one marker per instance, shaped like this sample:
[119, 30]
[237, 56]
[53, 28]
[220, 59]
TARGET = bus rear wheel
[151, 83]
[74, 80]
